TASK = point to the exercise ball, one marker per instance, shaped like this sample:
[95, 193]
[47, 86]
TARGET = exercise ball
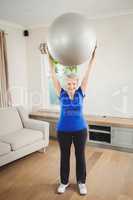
[70, 39]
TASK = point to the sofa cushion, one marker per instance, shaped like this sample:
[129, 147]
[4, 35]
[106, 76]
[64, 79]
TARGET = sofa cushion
[21, 138]
[4, 148]
[10, 120]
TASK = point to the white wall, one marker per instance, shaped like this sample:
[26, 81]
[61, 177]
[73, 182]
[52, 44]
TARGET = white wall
[36, 36]
[17, 62]
[111, 80]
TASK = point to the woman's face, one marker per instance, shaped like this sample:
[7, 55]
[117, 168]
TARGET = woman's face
[71, 84]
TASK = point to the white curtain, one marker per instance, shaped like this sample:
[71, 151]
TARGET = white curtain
[5, 99]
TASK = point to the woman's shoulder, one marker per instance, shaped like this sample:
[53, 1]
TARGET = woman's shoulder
[79, 89]
[62, 92]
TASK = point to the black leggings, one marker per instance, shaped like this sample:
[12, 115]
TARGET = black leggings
[65, 140]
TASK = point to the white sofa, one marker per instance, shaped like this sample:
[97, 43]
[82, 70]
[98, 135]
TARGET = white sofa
[20, 135]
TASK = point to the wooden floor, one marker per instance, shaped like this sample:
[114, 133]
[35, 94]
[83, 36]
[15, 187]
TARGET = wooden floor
[36, 176]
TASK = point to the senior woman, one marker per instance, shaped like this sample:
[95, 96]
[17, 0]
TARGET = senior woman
[71, 126]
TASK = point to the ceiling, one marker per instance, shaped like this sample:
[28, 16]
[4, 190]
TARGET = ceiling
[33, 13]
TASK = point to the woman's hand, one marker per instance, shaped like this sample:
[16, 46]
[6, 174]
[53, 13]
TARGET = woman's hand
[94, 53]
[43, 48]
[47, 53]
[46, 49]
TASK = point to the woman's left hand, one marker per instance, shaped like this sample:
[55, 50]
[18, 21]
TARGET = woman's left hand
[94, 53]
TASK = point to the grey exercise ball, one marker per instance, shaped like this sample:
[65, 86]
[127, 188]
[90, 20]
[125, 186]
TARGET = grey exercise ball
[70, 39]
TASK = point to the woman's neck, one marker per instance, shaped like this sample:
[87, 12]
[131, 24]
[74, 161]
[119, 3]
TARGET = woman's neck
[71, 94]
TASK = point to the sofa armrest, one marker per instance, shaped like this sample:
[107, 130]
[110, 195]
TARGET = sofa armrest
[38, 125]
[33, 123]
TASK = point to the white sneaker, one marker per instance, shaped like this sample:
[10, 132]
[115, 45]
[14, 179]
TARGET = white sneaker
[62, 188]
[82, 188]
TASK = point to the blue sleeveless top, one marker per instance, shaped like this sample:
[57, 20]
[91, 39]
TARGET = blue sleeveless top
[71, 114]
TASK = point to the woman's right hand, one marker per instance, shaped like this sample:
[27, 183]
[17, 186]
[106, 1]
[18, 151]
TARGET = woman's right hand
[46, 49]
[93, 53]
[47, 52]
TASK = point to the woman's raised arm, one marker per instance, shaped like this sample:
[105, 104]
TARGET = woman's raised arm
[84, 82]
[56, 82]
